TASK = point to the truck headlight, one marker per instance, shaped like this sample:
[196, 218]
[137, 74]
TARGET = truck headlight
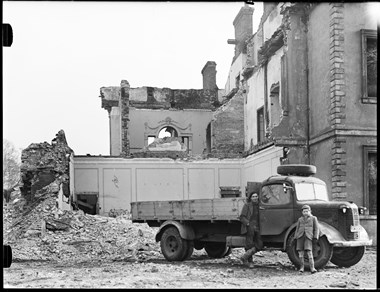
[362, 210]
[344, 208]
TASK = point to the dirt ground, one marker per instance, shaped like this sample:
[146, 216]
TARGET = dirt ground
[272, 269]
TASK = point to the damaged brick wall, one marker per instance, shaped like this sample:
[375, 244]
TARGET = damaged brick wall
[43, 164]
[166, 98]
[228, 128]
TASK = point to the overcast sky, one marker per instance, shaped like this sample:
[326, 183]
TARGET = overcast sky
[63, 52]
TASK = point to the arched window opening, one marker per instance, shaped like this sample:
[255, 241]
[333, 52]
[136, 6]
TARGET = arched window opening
[167, 132]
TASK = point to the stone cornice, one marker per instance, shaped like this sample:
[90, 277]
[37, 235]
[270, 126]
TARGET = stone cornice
[342, 132]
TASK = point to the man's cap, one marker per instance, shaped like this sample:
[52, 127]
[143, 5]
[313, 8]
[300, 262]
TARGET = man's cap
[306, 207]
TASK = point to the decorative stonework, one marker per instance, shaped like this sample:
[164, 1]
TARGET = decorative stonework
[337, 100]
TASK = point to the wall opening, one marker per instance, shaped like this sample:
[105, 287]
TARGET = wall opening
[260, 125]
[275, 109]
[208, 138]
[151, 139]
[167, 132]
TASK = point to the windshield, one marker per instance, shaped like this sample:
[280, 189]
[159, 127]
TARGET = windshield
[311, 191]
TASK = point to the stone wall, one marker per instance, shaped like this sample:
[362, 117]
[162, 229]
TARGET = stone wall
[43, 164]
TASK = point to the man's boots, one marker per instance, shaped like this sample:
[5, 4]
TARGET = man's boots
[311, 263]
[302, 267]
[247, 256]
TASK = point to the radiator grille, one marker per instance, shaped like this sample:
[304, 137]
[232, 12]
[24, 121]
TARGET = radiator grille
[352, 219]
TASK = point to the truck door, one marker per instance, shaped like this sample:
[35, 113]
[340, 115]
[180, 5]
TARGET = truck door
[276, 209]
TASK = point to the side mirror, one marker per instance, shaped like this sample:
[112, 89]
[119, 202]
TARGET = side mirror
[286, 187]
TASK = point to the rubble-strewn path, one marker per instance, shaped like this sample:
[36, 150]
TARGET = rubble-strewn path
[272, 270]
[70, 249]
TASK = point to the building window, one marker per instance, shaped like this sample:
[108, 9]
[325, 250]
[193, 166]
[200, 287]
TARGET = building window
[275, 108]
[208, 138]
[151, 139]
[186, 140]
[167, 132]
[260, 125]
[370, 179]
[369, 66]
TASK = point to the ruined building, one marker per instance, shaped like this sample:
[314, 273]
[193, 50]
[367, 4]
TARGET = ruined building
[301, 89]
[138, 115]
[307, 82]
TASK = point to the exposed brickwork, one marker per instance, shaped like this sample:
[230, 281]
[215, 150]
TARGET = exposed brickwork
[43, 163]
[337, 100]
[177, 99]
[124, 106]
[228, 128]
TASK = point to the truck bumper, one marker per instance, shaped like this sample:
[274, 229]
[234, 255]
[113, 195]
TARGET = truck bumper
[352, 243]
[336, 238]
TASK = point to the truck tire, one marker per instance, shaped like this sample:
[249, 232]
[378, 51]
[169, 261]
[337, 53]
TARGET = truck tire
[216, 250]
[322, 253]
[7, 256]
[347, 256]
[173, 247]
[296, 169]
[189, 248]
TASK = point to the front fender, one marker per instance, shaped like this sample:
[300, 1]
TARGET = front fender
[332, 234]
[334, 237]
[185, 230]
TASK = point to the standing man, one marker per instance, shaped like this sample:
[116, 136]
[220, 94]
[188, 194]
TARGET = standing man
[307, 231]
[249, 218]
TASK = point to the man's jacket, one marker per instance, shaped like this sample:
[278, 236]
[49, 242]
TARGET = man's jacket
[249, 214]
[308, 226]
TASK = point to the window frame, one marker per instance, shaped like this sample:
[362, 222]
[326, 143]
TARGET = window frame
[365, 35]
[261, 109]
[280, 186]
[366, 150]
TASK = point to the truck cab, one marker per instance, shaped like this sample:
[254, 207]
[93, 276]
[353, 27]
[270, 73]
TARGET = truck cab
[342, 238]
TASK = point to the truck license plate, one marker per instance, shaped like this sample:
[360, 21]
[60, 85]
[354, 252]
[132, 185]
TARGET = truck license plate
[355, 228]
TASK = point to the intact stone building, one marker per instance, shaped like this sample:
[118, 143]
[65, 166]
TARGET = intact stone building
[307, 79]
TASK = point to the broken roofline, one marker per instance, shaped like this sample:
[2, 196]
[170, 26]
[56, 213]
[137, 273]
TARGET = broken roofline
[162, 98]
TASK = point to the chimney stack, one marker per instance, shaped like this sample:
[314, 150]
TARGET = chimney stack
[209, 76]
[243, 28]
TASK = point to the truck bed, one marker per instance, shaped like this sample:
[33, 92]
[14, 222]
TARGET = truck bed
[198, 209]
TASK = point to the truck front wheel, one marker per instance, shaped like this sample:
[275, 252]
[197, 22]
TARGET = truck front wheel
[322, 252]
[347, 256]
[217, 249]
[173, 247]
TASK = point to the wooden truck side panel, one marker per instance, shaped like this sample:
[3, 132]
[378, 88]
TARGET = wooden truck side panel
[201, 209]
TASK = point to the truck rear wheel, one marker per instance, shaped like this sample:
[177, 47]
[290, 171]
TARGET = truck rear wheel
[173, 247]
[217, 249]
[347, 256]
[189, 248]
[322, 253]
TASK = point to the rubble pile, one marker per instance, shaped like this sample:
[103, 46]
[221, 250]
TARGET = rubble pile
[164, 147]
[43, 232]
[36, 229]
